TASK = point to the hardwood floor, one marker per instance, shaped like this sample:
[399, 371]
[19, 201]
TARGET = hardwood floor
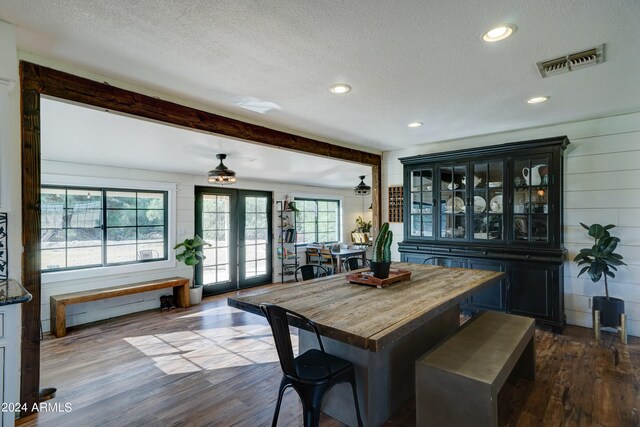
[211, 365]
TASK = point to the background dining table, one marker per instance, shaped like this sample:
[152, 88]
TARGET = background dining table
[343, 254]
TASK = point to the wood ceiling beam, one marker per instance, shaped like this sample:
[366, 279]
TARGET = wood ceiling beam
[79, 89]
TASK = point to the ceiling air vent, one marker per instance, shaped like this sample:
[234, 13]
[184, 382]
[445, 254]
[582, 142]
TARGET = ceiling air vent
[571, 62]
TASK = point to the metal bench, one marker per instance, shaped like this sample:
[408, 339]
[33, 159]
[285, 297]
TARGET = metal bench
[58, 303]
[457, 383]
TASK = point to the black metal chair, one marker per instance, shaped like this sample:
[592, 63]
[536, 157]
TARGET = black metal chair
[310, 271]
[443, 261]
[354, 263]
[312, 373]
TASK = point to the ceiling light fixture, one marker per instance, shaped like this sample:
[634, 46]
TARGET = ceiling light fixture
[537, 99]
[415, 124]
[362, 189]
[340, 88]
[498, 33]
[222, 174]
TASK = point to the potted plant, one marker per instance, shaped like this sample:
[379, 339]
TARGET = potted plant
[191, 256]
[381, 257]
[362, 226]
[598, 261]
[361, 234]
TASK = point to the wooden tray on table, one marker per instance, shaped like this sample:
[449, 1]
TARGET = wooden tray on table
[395, 276]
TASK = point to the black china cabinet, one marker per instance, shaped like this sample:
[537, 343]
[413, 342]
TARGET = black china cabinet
[493, 208]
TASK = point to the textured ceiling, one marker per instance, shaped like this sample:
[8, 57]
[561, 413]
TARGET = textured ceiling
[77, 134]
[412, 60]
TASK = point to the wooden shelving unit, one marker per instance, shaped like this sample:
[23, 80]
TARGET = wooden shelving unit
[395, 203]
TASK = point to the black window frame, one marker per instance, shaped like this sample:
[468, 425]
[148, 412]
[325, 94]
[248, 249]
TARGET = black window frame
[104, 228]
[300, 222]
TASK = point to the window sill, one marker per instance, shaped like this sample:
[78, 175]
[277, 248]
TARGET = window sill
[62, 276]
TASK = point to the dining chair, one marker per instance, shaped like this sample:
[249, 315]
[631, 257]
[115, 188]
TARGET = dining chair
[354, 263]
[313, 255]
[326, 257]
[312, 373]
[443, 261]
[310, 271]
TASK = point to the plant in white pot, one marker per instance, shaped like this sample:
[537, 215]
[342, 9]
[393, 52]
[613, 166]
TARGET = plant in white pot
[192, 255]
[600, 261]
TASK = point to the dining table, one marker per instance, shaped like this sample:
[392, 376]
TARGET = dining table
[382, 331]
[343, 254]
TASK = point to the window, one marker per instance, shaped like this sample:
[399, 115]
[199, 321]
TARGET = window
[99, 227]
[318, 220]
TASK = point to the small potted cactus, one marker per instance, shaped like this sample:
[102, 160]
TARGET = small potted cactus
[381, 258]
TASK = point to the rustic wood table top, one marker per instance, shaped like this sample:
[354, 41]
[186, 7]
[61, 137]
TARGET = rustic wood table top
[368, 317]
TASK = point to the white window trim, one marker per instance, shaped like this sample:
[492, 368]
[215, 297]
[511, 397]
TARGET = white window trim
[83, 181]
[324, 197]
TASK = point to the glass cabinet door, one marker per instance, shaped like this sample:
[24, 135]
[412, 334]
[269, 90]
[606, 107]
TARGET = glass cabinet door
[531, 199]
[488, 201]
[421, 203]
[453, 196]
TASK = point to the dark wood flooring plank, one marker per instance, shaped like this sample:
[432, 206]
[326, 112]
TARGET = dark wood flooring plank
[212, 365]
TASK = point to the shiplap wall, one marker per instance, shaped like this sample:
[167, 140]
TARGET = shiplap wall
[10, 167]
[602, 184]
[352, 207]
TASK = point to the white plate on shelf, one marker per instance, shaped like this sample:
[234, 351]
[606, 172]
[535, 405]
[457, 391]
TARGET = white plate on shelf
[494, 184]
[455, 205]
[450, 185]
[495, 204]
[479, 204]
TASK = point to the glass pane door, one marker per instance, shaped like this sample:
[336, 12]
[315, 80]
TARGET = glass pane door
[255, 242]
[531, 200]
[488, 202]
[453, 196]
[218, 268]
[421, 203]
[237, 225]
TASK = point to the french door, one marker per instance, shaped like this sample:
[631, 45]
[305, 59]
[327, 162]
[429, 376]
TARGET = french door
[237, 224]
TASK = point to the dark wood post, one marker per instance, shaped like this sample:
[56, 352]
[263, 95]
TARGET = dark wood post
[30, 354]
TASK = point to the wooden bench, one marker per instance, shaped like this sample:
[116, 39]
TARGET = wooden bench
[59, 303]
[457, 383]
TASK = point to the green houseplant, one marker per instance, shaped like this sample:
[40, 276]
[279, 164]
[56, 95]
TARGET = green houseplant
[192, 255]
[381, 257]
[600, 261]
[362, 226]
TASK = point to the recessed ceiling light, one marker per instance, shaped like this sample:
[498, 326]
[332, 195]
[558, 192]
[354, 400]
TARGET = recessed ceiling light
[340, 88]
[537, 99]
[498, 33]
[415, 124]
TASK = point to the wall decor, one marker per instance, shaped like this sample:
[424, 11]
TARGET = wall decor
[4, 274]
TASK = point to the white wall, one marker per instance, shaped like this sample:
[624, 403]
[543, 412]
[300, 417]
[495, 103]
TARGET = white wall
[10, 169]
[602, 184]
[184, 227]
